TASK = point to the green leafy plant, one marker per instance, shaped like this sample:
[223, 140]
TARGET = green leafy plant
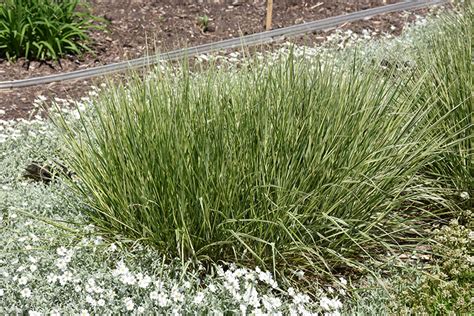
[442, 285]
[446, 287]
[203, 22]
[43, 29]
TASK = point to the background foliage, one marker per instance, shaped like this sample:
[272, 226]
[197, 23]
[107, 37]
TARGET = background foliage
[43, 29]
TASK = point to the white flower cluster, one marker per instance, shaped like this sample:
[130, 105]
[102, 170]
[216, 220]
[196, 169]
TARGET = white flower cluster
[14, 129]
[254, 292]
[65, 256]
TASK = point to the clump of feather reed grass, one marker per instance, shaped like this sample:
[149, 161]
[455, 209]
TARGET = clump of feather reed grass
[299, 166]
[444, 61]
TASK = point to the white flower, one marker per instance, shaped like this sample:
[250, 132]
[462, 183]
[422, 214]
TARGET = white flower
[162, 299]
[89, 228]
[23, 280]
[293, 312]
[98, 240]
[336, 304]
[159, 284]
[121, 269]
[128, 278]
[32, 259]
[51, 278]
[343, 281]
[464, 195]
[330, 304]
[291, 291]
[212, 288]
[250, 276]
[65, 277]
[251, 297]
[61, 251]
[144, 281]
[300, 299]
[112, 247]
[33, 268]
[2, 292]
[177, 295]
[66, 256]
[129, 305]
[231, 282]
[34, 238]
[98, 290]
[61, 264]
[101, 302]
[140, 310]
[240, 272]
[26, 292]
[243, 309]
[90, 286]
[324, 303]
[198, 298]
[84, 312]
[267, 278]
[91, 301]
[91, 281]
[299, 274]
[154, 295]
[271, 303]
[34, 313]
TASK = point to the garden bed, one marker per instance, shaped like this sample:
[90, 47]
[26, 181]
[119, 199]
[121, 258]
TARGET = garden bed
[137, 27]
[239, 187]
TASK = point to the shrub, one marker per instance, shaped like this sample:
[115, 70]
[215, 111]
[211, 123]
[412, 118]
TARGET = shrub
[43, 29]
[446, 287]
[439, 284]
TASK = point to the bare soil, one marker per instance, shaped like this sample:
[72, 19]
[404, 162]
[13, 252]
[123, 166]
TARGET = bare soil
[139, 27]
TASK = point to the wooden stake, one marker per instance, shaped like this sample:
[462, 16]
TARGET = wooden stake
[268, 23]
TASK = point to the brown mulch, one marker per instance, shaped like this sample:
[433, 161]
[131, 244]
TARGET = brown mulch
[136, 27]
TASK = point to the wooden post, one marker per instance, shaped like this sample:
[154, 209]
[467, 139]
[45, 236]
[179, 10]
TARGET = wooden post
[268, 23]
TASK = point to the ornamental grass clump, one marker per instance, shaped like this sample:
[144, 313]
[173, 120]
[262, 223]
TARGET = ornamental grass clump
[297, 166]
[43, 29]
[444, 62]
